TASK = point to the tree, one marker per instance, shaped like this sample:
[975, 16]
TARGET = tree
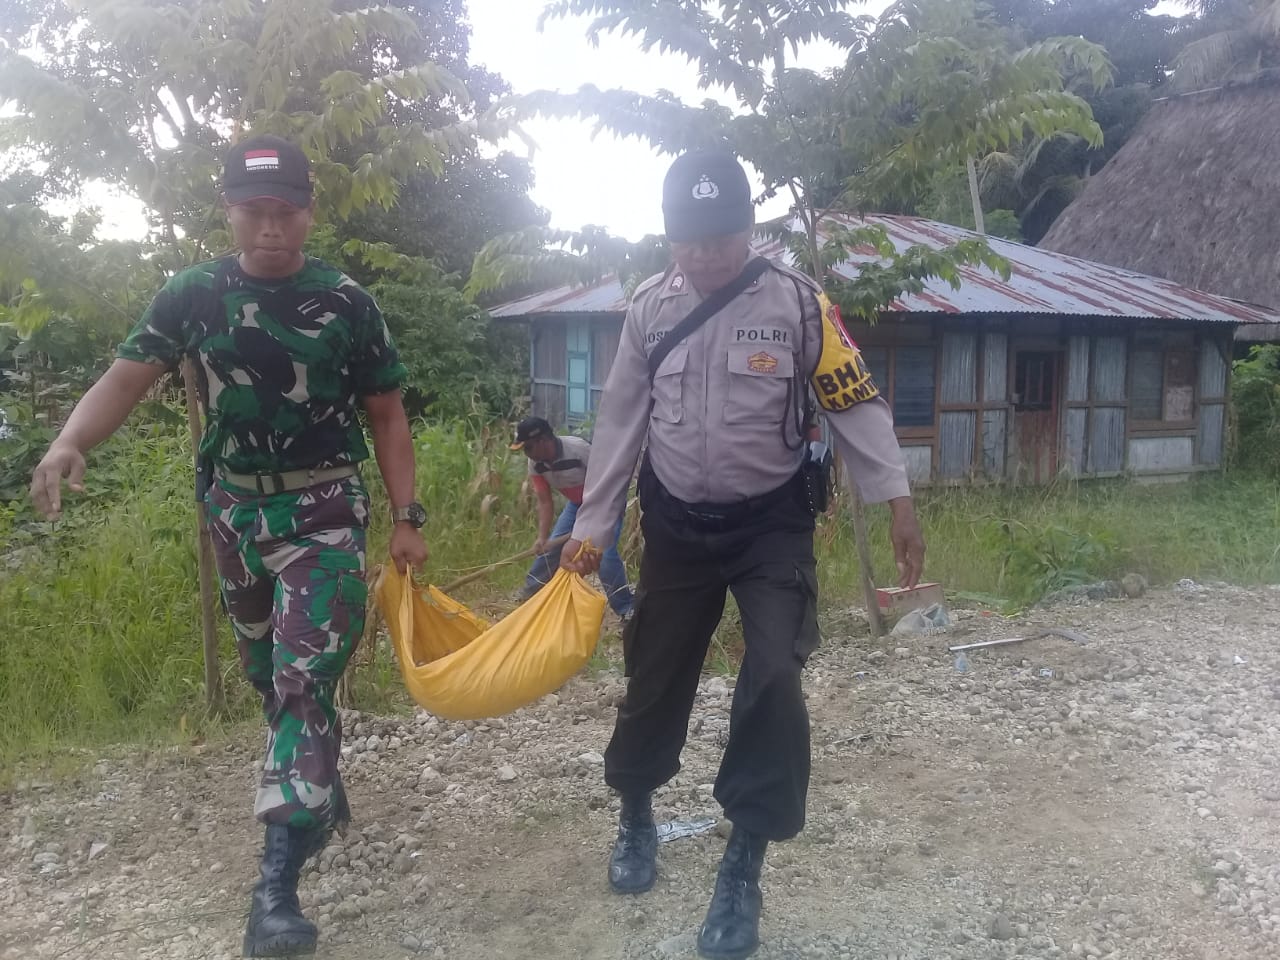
[1255, 406]
[63, 299]
[520, 262]
[1235, 38]
[146, 95]
[449, 215]
[459, 363]
[967, 93]
[1040, 182]
[947, 199]
[1140, 44]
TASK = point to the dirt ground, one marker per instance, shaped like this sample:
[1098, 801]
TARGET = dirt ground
[1117, 798]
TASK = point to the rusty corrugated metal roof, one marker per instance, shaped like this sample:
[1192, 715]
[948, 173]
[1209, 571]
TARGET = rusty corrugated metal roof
[1042, 282]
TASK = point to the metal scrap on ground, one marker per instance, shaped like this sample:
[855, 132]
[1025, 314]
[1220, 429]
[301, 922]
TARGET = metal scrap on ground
[678, 829]
[1063, 632]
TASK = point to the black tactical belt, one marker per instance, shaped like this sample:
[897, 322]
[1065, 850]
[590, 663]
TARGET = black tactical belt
[716, 517]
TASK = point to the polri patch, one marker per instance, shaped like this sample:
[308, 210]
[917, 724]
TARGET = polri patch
[762, 362]
[761, 335]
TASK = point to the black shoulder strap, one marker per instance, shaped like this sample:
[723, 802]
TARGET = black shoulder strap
[704, 311]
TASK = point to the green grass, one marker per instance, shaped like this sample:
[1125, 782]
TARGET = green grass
[99, 618]
[1212, 528]
[100, 613]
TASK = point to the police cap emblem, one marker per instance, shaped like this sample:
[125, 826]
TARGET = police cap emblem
[705, 189]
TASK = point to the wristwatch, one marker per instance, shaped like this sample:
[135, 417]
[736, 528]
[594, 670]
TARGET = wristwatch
[415, 513]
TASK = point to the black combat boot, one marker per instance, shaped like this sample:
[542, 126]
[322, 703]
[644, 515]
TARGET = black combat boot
[633, 867]
[732, 928]
[276, 926]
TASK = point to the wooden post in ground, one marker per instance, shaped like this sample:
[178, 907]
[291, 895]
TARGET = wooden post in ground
[213, 693]
[861, 543]
[864, 565]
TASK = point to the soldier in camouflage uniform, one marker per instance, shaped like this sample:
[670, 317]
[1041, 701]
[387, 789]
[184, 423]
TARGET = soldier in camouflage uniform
[286, 349]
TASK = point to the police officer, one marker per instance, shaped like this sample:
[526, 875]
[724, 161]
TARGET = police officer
[725, 507]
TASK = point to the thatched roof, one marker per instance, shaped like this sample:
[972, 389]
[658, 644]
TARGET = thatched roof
[1193, 197]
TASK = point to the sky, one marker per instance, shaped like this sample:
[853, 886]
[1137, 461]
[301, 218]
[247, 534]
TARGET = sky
[602, 180]
[580, 179]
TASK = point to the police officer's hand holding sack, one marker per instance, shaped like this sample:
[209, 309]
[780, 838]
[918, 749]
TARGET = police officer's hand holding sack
[723, 401]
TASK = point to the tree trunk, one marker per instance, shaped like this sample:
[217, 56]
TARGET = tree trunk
[862, 544]
[213, 693]
[972, 168]
[864, 562]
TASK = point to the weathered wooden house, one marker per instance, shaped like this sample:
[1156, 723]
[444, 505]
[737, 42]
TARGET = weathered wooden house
[1069, 366]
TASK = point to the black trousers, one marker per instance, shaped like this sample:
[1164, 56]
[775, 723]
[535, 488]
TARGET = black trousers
[766, 559]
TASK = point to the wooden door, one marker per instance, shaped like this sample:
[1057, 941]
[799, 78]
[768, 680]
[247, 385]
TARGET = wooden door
[1036, 385]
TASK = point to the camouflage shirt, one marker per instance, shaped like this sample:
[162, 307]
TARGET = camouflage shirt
[282, 362]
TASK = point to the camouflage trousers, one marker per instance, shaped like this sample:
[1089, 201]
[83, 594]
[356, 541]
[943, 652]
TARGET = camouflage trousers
[292, 570]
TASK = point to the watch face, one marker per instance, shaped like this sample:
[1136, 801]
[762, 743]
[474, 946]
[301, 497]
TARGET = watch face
[417, 514]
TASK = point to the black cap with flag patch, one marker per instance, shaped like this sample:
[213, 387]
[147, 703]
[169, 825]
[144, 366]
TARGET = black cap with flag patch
[267, 166]
[706, 194]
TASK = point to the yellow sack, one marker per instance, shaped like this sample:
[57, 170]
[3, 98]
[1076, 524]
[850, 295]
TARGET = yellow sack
[841, 378]
[460, 668]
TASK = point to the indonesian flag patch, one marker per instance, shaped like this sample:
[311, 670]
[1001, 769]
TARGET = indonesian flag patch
[261, 160]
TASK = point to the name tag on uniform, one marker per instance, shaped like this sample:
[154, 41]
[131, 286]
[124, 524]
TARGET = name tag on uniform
[760, 361]
[655, 336]
[761, 335]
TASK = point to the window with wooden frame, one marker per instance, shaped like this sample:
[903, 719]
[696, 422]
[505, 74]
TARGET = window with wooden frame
[1035, 381]
[1162, 378]
[906, 376]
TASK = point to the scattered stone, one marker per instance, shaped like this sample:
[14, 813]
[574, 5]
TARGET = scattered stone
[680, 945]
[1142, 715]
[1000, 928]
[347, 910]
[1134, 584]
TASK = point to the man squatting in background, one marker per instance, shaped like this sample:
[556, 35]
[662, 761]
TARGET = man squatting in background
[560, 463]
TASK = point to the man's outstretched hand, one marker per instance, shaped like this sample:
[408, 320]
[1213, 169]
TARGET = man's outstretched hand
[63, 461]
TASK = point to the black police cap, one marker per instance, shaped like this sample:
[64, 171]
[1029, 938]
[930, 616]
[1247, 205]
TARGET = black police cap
[706, 194]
